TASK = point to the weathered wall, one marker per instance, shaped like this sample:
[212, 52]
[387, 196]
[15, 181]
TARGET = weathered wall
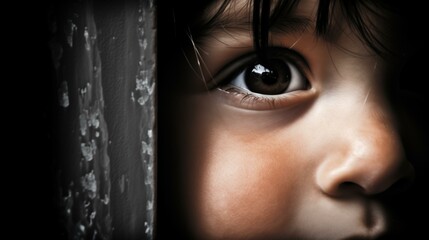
[103, 56]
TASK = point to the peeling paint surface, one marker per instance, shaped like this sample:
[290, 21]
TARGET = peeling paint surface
[145, 85]
[104, 57]
[87, 213]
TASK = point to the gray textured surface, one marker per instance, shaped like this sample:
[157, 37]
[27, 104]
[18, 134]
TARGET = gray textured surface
[103, 54]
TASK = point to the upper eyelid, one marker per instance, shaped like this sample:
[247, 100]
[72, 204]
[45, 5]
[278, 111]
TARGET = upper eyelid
[231, 68]
[237, 64]
[296, 57]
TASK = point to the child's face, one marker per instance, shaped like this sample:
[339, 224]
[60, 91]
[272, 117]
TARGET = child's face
[303, 157]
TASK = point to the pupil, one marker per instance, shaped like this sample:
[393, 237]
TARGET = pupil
[271, 77]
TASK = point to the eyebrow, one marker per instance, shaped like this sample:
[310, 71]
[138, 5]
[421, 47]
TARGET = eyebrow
[232, 18]
[282, 25]
[291, 24]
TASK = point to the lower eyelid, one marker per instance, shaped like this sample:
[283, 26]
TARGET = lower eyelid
[235, 97]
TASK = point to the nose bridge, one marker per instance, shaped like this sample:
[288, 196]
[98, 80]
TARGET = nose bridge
[369, 153]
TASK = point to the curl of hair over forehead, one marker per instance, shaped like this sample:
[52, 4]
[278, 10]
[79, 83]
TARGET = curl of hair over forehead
[361, 16]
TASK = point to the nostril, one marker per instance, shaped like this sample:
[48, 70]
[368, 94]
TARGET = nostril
[349, 188]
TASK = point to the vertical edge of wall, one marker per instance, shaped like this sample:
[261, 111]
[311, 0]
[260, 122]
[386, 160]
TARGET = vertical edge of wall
[147, 78]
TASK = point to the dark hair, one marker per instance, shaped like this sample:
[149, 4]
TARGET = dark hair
[359, 14]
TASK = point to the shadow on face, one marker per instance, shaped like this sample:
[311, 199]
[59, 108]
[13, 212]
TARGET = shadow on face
[316, 160]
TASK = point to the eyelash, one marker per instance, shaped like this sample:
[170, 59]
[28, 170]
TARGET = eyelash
[251, 100]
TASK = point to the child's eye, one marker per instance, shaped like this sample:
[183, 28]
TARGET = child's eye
[271, 77]
[276, 82]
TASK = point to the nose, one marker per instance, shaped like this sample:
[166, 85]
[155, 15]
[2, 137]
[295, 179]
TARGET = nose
[369, 159]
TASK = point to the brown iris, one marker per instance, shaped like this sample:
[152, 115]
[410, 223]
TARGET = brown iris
[270, 77]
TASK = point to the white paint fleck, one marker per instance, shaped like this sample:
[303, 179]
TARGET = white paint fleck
[151, 88]
[89, 184]
[63, 92]
[68, 200]
[147, 148]
[143, 99]
[92, 216]
[69, 30]
[83, 123]
[140, 83]
[141, 31]
[93, 120]
[81, 227]
[87, 151]
[150, 133]
[106, 199]
[132, 97]
[97, 134]
[148, 229]
[149, 205]
[144, 43]
[83, 91]
[149, 180]
[87, 40]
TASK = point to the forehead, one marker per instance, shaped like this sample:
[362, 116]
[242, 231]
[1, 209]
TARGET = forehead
[240, 11]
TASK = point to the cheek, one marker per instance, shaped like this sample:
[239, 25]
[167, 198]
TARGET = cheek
[243, 183]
